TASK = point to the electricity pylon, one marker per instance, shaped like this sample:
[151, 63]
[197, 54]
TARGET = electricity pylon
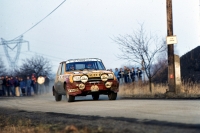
[7, 45]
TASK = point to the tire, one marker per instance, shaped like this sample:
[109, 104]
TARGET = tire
[57, 96]
[70, 98]
[112, 96]
[95, 96]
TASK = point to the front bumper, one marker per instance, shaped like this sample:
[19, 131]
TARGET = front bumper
[92, 87]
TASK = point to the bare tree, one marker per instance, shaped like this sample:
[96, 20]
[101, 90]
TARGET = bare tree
[161, 63]
[160, 70]
[141, 48]
[37, 64]
[2, 67]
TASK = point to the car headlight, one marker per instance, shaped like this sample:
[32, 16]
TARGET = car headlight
[84, 78]
[108, 84]
[110, 76]
[104, 77]
[81, 86]
[77, 78]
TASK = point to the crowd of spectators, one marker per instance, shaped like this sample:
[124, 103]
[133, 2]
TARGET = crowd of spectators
[127, 75]
[18, 86]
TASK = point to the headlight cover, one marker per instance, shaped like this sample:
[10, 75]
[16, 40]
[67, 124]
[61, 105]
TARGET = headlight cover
[110, 76]
[77, 78]
[104, 77]
[84, 78]
[108, 84]
[81, 86]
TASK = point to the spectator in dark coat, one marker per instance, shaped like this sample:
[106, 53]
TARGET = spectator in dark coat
[28, 86]
[139, 73]
[34, 83]
[1, 88]
[129, 80]
[125, 74]
[121, 76]
[133, 74]
[22, 86]
[4, 85]
[12, 86]
[8, 85]
[46, 83]
[16, 84]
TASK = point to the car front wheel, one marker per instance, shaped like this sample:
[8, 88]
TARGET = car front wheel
[112, 96]
[70, 98]
[57, 96]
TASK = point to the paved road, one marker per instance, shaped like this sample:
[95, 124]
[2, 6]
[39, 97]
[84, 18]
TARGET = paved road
[180, 111]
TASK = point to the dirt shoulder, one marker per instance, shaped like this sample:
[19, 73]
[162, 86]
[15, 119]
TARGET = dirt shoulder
[56, 122]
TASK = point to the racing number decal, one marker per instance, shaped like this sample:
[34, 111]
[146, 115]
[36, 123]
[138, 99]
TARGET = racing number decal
[63, 76]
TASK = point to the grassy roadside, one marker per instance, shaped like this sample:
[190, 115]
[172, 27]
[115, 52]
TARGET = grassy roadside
[10, 124]
[15, 124]
[19, 121]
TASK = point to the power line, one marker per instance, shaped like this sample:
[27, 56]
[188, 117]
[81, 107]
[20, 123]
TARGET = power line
[49, 56]
[40, 20]
[18, 41]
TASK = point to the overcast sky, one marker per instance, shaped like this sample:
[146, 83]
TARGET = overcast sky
[84, 28]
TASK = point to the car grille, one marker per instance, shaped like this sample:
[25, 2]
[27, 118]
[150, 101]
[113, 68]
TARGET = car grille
[94, 79]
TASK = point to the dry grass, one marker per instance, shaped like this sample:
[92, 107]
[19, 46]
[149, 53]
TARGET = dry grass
[141, 90]
[41, 129]
[21, 125]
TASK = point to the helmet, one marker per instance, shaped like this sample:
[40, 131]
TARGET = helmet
[89, 66]
[71, 67]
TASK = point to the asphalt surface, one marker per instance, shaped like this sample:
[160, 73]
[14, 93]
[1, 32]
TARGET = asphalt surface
[165, 110]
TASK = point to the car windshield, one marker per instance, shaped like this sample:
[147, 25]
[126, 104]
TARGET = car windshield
[89, 65]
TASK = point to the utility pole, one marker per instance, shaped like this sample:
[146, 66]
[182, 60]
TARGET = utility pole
[171, 67]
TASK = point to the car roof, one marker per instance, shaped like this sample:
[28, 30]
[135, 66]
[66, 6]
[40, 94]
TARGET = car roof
[82, 60]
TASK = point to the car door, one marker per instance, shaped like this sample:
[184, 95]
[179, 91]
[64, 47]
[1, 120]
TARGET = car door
[62, 78]
[57, 78]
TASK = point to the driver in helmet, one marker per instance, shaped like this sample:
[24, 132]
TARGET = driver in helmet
[89, 66]
[71, 68]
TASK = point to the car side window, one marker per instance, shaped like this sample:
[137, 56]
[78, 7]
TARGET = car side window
[59, 69]
[63, 68]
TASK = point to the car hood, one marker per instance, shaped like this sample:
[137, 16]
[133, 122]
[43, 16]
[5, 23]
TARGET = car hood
[90, 71]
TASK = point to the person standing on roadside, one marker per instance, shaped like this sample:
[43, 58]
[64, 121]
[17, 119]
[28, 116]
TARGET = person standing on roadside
[46, 83]
[121, 76]
[8, 86]
[4, 85]
[41, 86]
[133, 74]
[129, 80]
[125, 74]
[22, 86]
[139, 73]
[28, 86]
[17, 90]
[116, 74]
[33, 84]
[12, 86]
[1, 88]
